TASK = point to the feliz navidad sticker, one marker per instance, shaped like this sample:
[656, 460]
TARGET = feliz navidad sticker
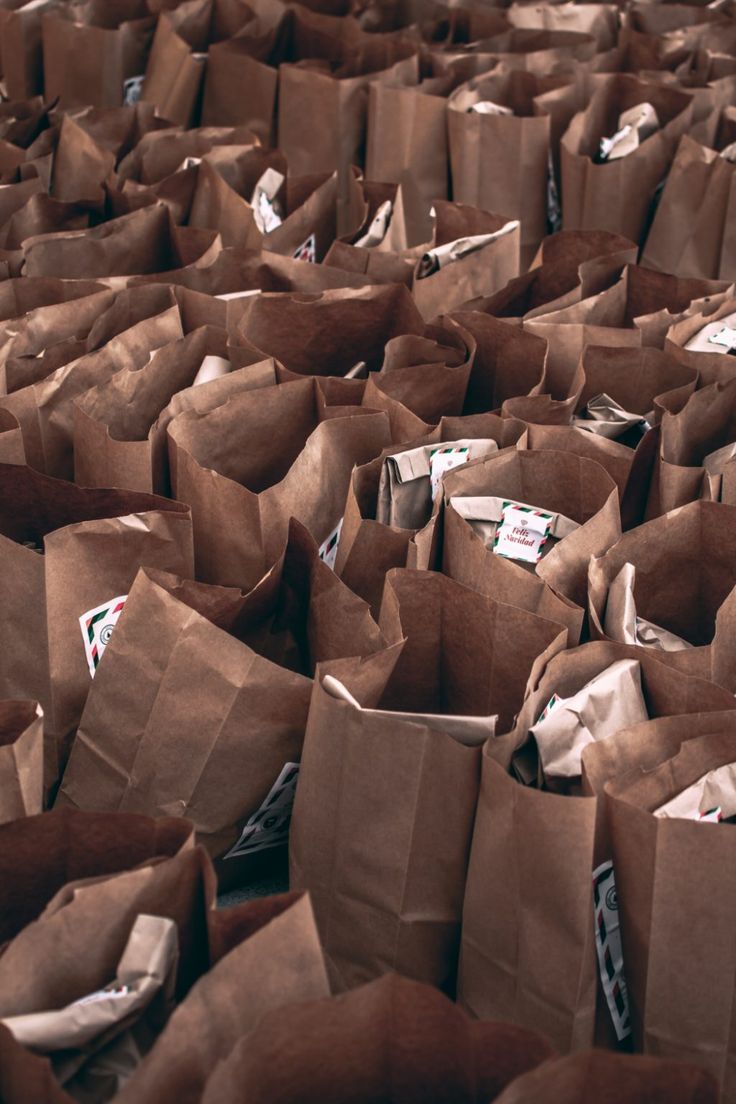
[523, 532]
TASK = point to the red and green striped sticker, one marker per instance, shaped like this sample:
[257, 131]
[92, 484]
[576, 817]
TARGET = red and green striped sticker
[97, 625]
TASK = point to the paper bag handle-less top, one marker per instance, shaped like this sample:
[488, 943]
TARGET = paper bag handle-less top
[469, 731]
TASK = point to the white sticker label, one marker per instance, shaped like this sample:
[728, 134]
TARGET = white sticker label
[307, 251]
[269, 825]
[132, 88]
[97, 625]
[328, 549]
[725, 337]
[522, 533]
[442, 460]
[608, 946]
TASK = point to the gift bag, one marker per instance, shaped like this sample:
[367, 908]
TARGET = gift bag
[21, 50]
[613, 456]
[472, 253]
[308, 231]
[328, 334]
[143, 242]
[429, 375]
[692, 233]
[373, 538]
[92, 59]
[21, 759]
[70, 558]
[336, 94]
[494, 112]
[252, 958]
[641, 383]
[680, 996]
[571, 265]
[44, 852]
[537, 843]
[508, 361]
[242, 766]
[696, 450]
[370, 857]
[615, 194]
[120, 426]
[174, 73]
[701, 337]
[407, 145]
[91, 1042]
[297, 463]
[668, 586]
[632, 1078]
[329, 1050]
[276, 961]
[45, 409]
[11, 440]
[543, 512]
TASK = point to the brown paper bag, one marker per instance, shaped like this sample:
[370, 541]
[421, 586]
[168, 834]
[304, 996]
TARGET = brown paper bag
[580, 500]
[328, 1050]
[45, 410]
[240, 87]
[368, 546]
[26, 339]
[617, 195]
[21, 759]
[472, 253]
[637, 310]
[600, 20]
[632, 1078]
[309, 229]
[70, 557]
[122, 766]
[20, 48]
[315, 90]
[643, 381]
[160, 153]
[466, 559]
[47, 851]
[668, 585]
[571, 265]
[508, 361]
[120, 426]
[326, 335]
[11, 440]
[89, 60]
[145, 241]
[298, 462]
[695, 453]
[512, 184]
[680, 997]
[682, 239]
[407, 145]
[613, 456]
[174, 73]
[272, 943]
[92, 1042]
[429, 375]
[278, 963]
[689, 336]
[395, 917]
[534, 852]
